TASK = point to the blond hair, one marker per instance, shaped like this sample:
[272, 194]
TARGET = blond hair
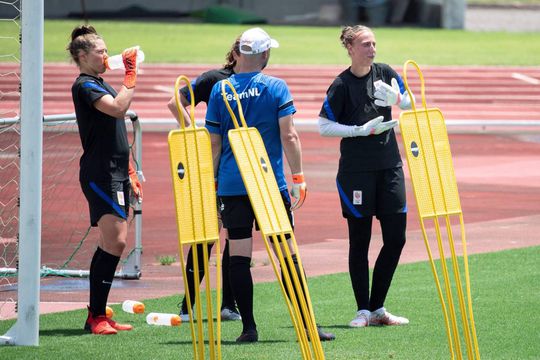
[349, 33]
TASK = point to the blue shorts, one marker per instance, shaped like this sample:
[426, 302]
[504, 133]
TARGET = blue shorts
[107, 198]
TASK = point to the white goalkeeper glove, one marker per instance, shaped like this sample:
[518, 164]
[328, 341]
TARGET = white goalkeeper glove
[385, 94]
[384, 126]
[368, 128]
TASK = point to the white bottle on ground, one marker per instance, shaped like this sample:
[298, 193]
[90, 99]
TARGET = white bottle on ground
[163, 319]
[133, 307]
[115, 62]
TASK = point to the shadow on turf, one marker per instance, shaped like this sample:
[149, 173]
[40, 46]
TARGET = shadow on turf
[336, 327]
[225, 342]
[63, 332]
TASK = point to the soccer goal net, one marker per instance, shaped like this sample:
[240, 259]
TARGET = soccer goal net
[67, 239]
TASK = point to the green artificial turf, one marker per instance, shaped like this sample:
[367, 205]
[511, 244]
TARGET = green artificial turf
[208, 43]
[505, 292]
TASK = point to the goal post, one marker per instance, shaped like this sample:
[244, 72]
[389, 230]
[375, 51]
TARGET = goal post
[25, 331]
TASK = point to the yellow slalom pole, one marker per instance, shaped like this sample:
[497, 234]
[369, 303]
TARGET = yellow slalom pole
[288, 287]
[439, 290]
[449, 329]
[468, 289]
[432, 174]
[274, 224]
[195, 199]
[179, 104]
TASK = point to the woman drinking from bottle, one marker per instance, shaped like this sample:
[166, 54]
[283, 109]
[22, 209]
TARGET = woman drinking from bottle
[106, 176]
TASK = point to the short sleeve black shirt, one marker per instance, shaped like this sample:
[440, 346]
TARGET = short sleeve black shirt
[202, 85]
[350, 101]
[104, 138]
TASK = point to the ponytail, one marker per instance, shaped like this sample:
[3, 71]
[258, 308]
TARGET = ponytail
[83, 38]
[229, 58]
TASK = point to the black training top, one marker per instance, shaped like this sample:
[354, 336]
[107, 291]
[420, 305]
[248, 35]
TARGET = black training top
[350, 101]
[104, 138]
[202, 85]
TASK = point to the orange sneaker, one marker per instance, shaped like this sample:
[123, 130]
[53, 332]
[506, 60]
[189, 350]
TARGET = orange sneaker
[100, 326]
[120, 327]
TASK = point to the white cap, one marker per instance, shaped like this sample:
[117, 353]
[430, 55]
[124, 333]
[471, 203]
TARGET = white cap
[256, 41]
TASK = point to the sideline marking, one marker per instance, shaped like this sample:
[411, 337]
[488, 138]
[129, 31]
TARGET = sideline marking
[165, 89]
[526, 78]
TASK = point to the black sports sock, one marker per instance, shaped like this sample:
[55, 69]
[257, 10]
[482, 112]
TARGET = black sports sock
[242, 287]
[393, 232]
[91, 275]
[102, 277]
[228, 296]
[359, 239]
[190, 274]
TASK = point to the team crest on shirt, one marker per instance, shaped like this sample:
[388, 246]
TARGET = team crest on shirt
[357, 197]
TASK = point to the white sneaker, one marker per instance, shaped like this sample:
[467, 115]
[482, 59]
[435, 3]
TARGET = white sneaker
[361, 319]
[228, 314]
[383, 317]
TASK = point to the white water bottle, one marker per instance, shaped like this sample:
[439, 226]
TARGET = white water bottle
[163, 319]
[133, 307]
[115, 62]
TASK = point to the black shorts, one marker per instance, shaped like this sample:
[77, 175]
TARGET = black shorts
[236, 211]
[107, 198]
[380, 192]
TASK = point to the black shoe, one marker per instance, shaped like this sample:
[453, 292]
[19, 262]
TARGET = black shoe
[325, 336]
[248, 336]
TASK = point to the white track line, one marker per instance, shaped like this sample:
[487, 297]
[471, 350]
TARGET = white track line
[527, 79]
[165, 89]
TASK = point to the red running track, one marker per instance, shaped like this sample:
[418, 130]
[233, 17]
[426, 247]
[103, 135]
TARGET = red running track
[462, 93]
